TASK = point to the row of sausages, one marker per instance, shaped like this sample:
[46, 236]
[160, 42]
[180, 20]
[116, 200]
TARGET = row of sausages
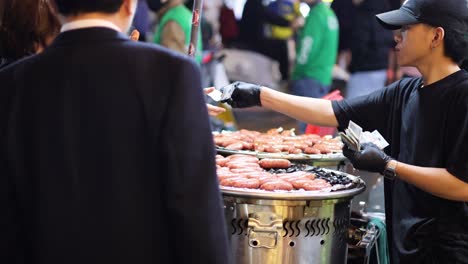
[275, 143]
[243, 171]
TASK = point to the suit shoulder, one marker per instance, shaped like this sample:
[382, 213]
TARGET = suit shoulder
[12, 67]
[152, 49]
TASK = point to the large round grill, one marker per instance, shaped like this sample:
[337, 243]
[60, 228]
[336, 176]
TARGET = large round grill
[289, 227]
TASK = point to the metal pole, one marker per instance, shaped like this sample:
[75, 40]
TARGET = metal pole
[196, 19]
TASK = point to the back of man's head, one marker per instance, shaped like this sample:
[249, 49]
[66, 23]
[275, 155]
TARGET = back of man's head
[75, 7]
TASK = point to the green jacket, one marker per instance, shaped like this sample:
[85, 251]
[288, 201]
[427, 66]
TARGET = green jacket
[182, 16]
[317, 46]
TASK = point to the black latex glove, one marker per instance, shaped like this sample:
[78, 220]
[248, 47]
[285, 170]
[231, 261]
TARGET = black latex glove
[370, 158]
[243, 94]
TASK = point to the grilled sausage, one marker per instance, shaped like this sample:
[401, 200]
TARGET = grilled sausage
[258, 174]
[222, 162]
[317, 184]
[235, 146]
[248, 145]
[246, 170]
[246, 183]
[272, 149]
[311, 150]
[299, 183]
[324, 149]
[223, 176]
[293, 150]
[260, 148]
[274, 163]
[223, 142]
[242, 165]
[295, 178]
[277, 185]
[230, 181]
[292, 174]
[245, 160]
[235, 156]
[264, 179]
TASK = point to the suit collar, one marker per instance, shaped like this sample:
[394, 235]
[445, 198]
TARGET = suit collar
[87, 35]
[87, 23]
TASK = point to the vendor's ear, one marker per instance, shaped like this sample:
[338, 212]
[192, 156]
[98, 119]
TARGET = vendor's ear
[438, 38]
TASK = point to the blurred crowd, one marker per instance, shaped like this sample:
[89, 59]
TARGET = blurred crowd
[310, 48]
[304, 47]
[316, 48]
[320, 34]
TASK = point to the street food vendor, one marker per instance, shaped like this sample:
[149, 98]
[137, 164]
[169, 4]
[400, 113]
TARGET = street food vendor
[424, 119]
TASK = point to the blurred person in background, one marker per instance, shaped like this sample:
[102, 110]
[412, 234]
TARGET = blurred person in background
[253, 25]
[370, 49]
[288, 9]
[26, 28]
[175, 24]
[345, 12]
[207, 33]
[173, 32]
[228, 28]
[317, 48]
[141, 20]
[95, 161]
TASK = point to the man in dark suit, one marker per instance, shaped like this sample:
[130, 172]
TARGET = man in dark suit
[106, 154]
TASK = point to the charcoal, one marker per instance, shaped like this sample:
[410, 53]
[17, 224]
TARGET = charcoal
[331, 177]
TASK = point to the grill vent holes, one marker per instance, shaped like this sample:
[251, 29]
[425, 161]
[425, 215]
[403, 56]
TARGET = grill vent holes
[295, 228]
[239, 226]
[291, 228]
[340, 225]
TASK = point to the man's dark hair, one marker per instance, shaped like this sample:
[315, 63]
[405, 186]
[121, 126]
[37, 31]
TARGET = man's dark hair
[74, 7]
[456, 42]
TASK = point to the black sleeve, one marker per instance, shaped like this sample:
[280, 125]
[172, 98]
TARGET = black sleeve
[6, 92]
[457, 143]
[8, 222]
[153, 5]
[371, 112]
[465, 65]
[192, 195]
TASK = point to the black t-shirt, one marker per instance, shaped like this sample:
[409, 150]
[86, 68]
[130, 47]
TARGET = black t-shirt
[425, 126]
[465, 65]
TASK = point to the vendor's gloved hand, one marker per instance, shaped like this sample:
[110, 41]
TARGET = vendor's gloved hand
[243, 94]
[370, 158]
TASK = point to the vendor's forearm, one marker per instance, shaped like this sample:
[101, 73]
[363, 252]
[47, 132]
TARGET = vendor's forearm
[437, 181]
[310, 110]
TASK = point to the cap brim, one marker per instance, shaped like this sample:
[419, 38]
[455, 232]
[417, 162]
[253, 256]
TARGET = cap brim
[396, 19]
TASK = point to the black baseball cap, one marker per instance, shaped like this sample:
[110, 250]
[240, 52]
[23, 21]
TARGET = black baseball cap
[443, 13]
